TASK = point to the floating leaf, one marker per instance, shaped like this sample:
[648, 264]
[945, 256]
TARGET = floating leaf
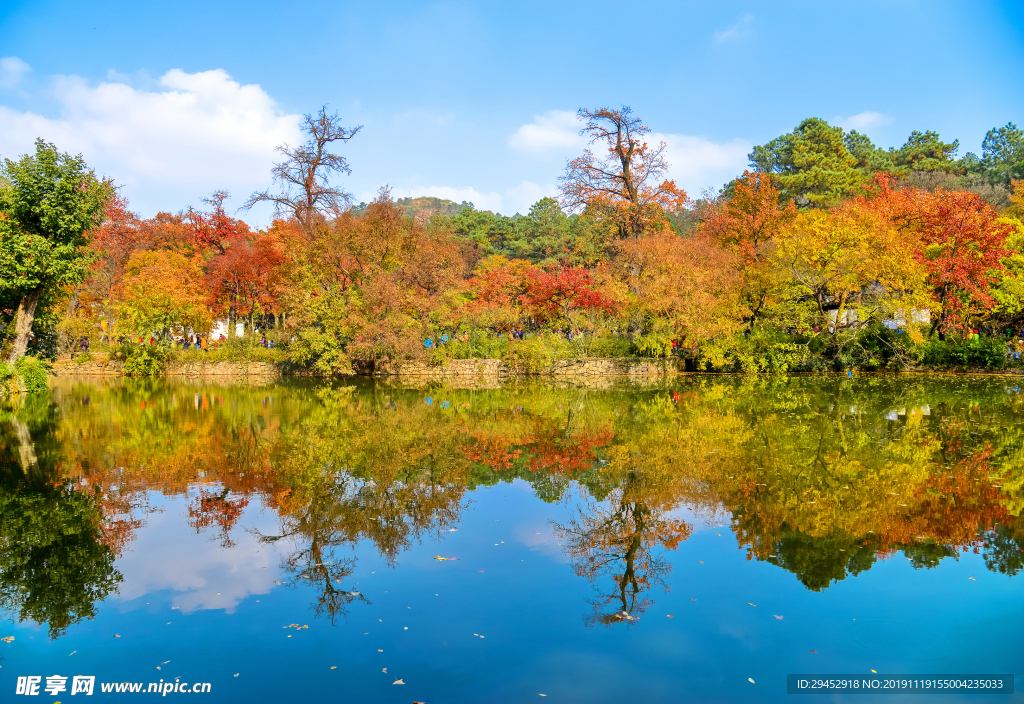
[875, 671]
[385, 670]
[235, 675]
[751, 604]
[751, 680]
[398, 682]
[334, 667]
[777, 616]
[8, 639]
[669, 616]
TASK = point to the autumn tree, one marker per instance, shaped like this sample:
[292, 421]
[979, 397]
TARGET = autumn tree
[621, 185]
[961, 247]
[162, 292]
[747, 222]
[304, 176]
[246, 279]
[845, 269]
[685, 289]
[50, 205]
[215, 229]
[566, 296]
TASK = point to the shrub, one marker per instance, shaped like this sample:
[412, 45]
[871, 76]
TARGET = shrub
[32, 372]
[979, 353]
[8, 380]
[760, 351]
[143, 360]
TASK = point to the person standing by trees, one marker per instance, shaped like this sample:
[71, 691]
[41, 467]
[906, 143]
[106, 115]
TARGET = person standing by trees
[50, 204]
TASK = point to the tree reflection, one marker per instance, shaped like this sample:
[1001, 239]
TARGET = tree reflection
[821, 477]
[54, 562]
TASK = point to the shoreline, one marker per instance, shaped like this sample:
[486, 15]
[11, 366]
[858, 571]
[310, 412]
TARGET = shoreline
[492, 369]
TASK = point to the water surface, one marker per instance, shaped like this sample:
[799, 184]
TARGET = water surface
[280, 541]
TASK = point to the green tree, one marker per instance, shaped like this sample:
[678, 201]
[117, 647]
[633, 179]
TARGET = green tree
[813, 164]
[925, 151]
[870, 159]
[1002, 154]
[50, 203]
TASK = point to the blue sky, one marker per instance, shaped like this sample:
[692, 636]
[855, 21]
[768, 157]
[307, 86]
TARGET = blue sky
[474, 100]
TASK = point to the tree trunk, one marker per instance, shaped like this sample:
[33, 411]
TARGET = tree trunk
[73, 301]
[23, 324]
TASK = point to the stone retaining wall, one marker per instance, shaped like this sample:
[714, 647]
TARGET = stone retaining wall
[585, 367]
[222, 369]
[455, 368]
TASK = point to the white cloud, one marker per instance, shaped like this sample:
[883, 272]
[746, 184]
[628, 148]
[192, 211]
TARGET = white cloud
[518, 199]
[736, 31]
[201, 574]
[12, 69]
[192, 134]
[555, 132]
[697, 163]
[864, 121]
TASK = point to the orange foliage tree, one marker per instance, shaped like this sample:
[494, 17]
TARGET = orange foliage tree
[621, 188]
[748, 222]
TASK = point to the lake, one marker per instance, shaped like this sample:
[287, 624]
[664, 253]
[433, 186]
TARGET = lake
[697, 539]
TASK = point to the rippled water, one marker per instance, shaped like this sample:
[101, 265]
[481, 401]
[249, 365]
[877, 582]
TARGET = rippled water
[692, 541]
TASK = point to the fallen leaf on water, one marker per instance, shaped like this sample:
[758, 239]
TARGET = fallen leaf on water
[692, 599]
[72, 653]
[814, 651]
[117, 635]
[379, 650]
[235, 675]
[334, 667]
[163, 663]
[700, 561]
[751, 680]
[972, 579]
[875, 671]
[398, 682]
[481, 570]
[751, 604]
[158, 667]
[453, 530]
[777, 616]
[542, 695]
[385, 670]
[669, 616]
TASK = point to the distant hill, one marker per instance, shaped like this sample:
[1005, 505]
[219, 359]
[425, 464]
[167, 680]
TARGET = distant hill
[414, 206]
